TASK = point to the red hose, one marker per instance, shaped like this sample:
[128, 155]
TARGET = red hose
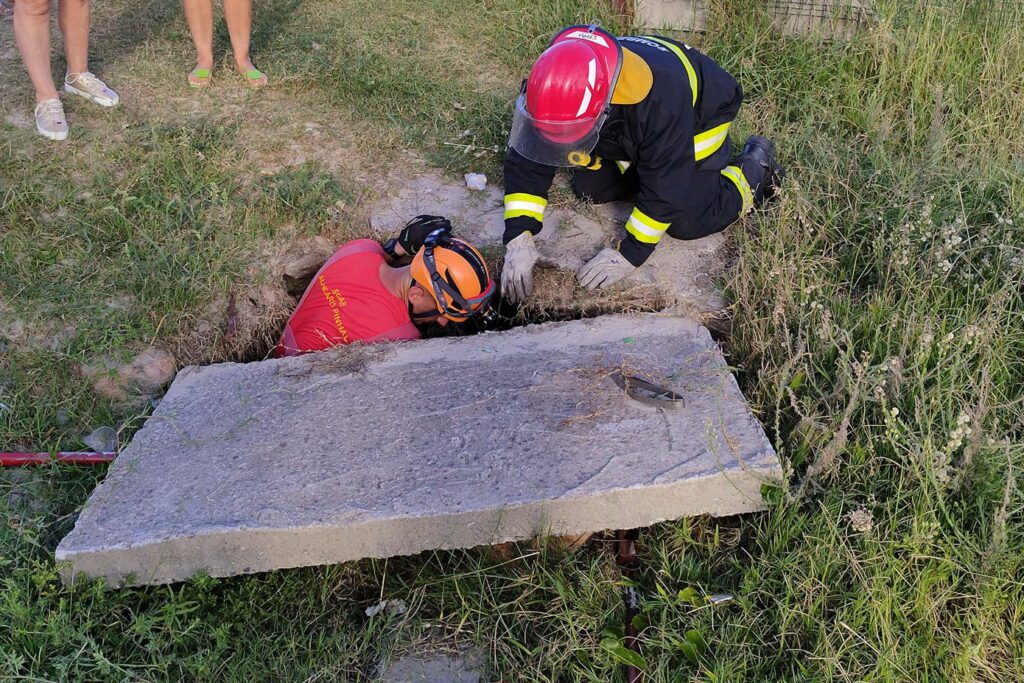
[76, 458]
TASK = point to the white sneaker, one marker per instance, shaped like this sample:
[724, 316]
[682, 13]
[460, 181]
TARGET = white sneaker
[50, 120]
[91, 88]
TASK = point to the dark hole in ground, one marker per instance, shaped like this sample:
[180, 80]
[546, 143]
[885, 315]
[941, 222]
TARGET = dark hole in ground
[508, 316]
[252, 326]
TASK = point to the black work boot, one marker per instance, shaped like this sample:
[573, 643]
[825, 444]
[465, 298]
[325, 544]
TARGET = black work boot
[760, 168]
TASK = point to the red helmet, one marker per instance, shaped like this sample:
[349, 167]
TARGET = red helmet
[565, 100]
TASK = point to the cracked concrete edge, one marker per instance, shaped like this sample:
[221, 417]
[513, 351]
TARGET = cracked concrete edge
[738, 492]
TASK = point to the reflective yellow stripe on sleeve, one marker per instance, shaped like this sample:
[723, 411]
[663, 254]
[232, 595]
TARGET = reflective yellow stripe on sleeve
[686, 64]
[709, 142]
[522, 204]
[645, 228]
[734, 174]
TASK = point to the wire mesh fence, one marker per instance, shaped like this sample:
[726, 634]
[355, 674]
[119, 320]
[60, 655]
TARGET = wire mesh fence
[859, 12]
[834, 18]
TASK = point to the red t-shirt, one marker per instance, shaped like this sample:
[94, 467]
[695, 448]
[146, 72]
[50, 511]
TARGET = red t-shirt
[347, 302]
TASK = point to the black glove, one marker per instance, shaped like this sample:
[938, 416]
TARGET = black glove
[415, 231]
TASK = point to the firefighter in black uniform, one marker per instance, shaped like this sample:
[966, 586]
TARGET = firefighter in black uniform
[642, 119]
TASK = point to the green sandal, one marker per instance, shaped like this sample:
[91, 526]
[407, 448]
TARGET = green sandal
[255, 78]
[200, 78]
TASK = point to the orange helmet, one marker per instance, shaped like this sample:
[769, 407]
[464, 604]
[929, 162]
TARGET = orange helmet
[455, 274]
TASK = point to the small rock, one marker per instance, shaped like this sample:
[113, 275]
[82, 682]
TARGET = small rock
[62, 417]
[299, 271]
[152, 369]
[146, 374]
[102, 440]
[305, 256]
[476, 181]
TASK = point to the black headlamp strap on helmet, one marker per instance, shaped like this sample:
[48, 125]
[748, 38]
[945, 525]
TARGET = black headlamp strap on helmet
[442, 238]
[437, 282]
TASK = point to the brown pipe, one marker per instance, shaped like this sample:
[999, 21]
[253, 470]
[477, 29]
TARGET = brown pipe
[629, 565]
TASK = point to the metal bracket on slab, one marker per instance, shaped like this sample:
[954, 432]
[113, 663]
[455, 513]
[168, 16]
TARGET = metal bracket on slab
[646, 392]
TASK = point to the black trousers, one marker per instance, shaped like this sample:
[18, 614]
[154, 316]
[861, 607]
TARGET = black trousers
[712, 203]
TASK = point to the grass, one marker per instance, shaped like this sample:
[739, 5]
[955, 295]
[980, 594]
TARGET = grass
[878, 328]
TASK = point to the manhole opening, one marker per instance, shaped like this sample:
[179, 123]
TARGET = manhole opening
[252, 318]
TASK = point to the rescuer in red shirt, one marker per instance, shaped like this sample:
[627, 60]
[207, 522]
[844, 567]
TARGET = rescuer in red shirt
[358, 295]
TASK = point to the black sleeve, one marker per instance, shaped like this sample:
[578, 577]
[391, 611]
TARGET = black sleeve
[526, 194]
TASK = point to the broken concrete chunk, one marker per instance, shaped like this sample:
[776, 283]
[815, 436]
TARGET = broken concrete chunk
[671, 15]
[393, 449]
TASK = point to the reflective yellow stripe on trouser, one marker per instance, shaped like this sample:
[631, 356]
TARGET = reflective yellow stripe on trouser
[645, 228]
[710, 141]
[735, 174]
[522, 204]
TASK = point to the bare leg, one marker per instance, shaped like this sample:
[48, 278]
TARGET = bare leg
[199, 14]
[73, 19]
[32, 32]
[238, 15]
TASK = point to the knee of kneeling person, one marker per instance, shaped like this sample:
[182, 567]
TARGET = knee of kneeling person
[686, 229]
[600, 188]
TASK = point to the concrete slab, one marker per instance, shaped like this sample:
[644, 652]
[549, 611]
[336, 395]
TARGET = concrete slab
[827, 19]
[374, 451]
[685, 272]
[670, 15]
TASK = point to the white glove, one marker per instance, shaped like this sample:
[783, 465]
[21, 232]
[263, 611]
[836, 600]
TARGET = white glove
[607, 267]
[517, 273]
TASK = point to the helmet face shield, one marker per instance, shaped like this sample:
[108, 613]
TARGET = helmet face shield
[567, 97]
[554, 143]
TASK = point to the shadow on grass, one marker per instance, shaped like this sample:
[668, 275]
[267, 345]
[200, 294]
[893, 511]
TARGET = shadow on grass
[134, 26]
[268, 20]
